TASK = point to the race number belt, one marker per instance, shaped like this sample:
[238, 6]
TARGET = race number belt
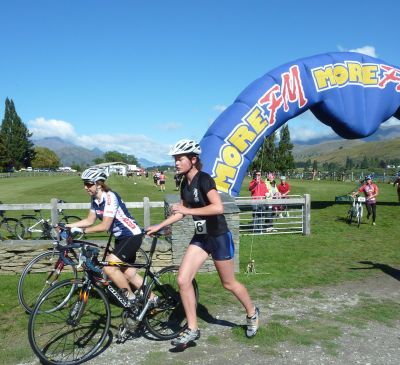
[200, 227]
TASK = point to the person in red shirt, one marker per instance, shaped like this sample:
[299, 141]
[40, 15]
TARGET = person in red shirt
[284, 187]
[370, 191]
[258, 190]
[284, 190]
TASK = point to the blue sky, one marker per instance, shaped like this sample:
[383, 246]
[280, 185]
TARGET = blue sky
[135, 76]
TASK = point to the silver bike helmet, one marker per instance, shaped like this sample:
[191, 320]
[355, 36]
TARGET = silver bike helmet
[185, 147]
[93, 174]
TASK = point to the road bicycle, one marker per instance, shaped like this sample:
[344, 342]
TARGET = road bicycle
[46, 270]
[355, 212]
[31, 226]
[7, 226]
[71, 321]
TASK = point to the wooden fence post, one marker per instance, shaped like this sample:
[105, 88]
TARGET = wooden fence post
[307, 215]
[146, 211]
[54, 211]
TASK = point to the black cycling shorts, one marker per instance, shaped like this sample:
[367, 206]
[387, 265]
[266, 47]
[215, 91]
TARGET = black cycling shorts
[220, 247]
[126, 248]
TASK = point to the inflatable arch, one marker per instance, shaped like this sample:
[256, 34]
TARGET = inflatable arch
[350, 92]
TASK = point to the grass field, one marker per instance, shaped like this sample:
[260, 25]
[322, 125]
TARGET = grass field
[329, 255]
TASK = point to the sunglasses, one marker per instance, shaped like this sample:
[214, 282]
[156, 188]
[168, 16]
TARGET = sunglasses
[88, 185]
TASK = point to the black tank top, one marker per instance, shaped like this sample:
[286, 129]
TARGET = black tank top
[195, 196]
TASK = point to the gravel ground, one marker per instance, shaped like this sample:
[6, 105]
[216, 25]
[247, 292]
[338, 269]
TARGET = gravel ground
[373, 344]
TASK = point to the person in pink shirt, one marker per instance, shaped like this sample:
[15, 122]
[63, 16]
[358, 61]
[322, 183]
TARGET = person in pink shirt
[258, 190]
[370, 191]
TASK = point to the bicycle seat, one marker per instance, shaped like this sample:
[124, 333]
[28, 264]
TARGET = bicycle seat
[37, 210]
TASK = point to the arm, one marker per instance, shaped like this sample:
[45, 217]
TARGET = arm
[87, 222]
[214, 208]
[252, 185]
[175, 217]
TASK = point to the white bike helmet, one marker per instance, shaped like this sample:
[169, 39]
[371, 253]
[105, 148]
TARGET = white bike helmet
[185, 147]
[93, 174]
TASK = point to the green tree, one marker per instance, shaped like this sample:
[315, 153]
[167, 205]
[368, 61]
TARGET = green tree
[265, 159]
[349, 163]
[45, 158]
[285, 160]
[307, 165]
[115, 156]
[17, 147]
[364, 163]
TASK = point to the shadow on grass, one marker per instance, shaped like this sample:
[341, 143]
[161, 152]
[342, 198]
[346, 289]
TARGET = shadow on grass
[206, 316]
[394, 273]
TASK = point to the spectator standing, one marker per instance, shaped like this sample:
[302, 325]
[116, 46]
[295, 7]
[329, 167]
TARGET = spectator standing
[284, 190]
[370, 191]
[397, 182]
[258, 191]
[284, 187]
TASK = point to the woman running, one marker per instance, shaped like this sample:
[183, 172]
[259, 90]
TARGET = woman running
[200, 199]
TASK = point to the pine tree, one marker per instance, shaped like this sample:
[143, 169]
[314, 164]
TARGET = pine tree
[285, 160]
[265, 159]
[15, 136]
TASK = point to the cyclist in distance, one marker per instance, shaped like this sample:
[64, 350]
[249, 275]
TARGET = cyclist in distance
[115, 218]
[200, 199]
[370, 191]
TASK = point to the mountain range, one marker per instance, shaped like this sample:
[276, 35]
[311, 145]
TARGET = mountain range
[383, 144]
[70, 153]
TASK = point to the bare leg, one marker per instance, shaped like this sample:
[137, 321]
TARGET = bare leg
[116, 275]
[192, 261]
[226, 273]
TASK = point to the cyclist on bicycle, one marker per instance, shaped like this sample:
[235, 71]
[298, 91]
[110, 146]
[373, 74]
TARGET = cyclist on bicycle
[370, 191]
[115, 217]
[200, 199]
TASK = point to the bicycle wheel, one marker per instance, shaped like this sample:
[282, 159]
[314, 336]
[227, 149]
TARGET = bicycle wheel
[42, 272]
[7, 228]
[168, 319]
[76, 330]
[72, 219]
[29, 228]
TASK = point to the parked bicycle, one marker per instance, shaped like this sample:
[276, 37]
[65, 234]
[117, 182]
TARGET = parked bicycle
[72, 330]
[7, 226]
[35, 226]
[355, 212]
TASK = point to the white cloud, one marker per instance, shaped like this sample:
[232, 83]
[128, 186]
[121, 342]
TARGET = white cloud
[391, 121]
[138, 145]
[306, 127]
[367, 50]
[42, 128]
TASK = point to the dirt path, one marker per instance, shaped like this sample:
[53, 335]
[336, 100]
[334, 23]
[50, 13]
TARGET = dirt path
[370, 344]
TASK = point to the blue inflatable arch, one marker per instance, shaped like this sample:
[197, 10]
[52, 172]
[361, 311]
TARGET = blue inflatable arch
[350, 92]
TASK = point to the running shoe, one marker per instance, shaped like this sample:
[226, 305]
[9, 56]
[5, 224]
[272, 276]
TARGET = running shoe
[252, 324]
[185, 337]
